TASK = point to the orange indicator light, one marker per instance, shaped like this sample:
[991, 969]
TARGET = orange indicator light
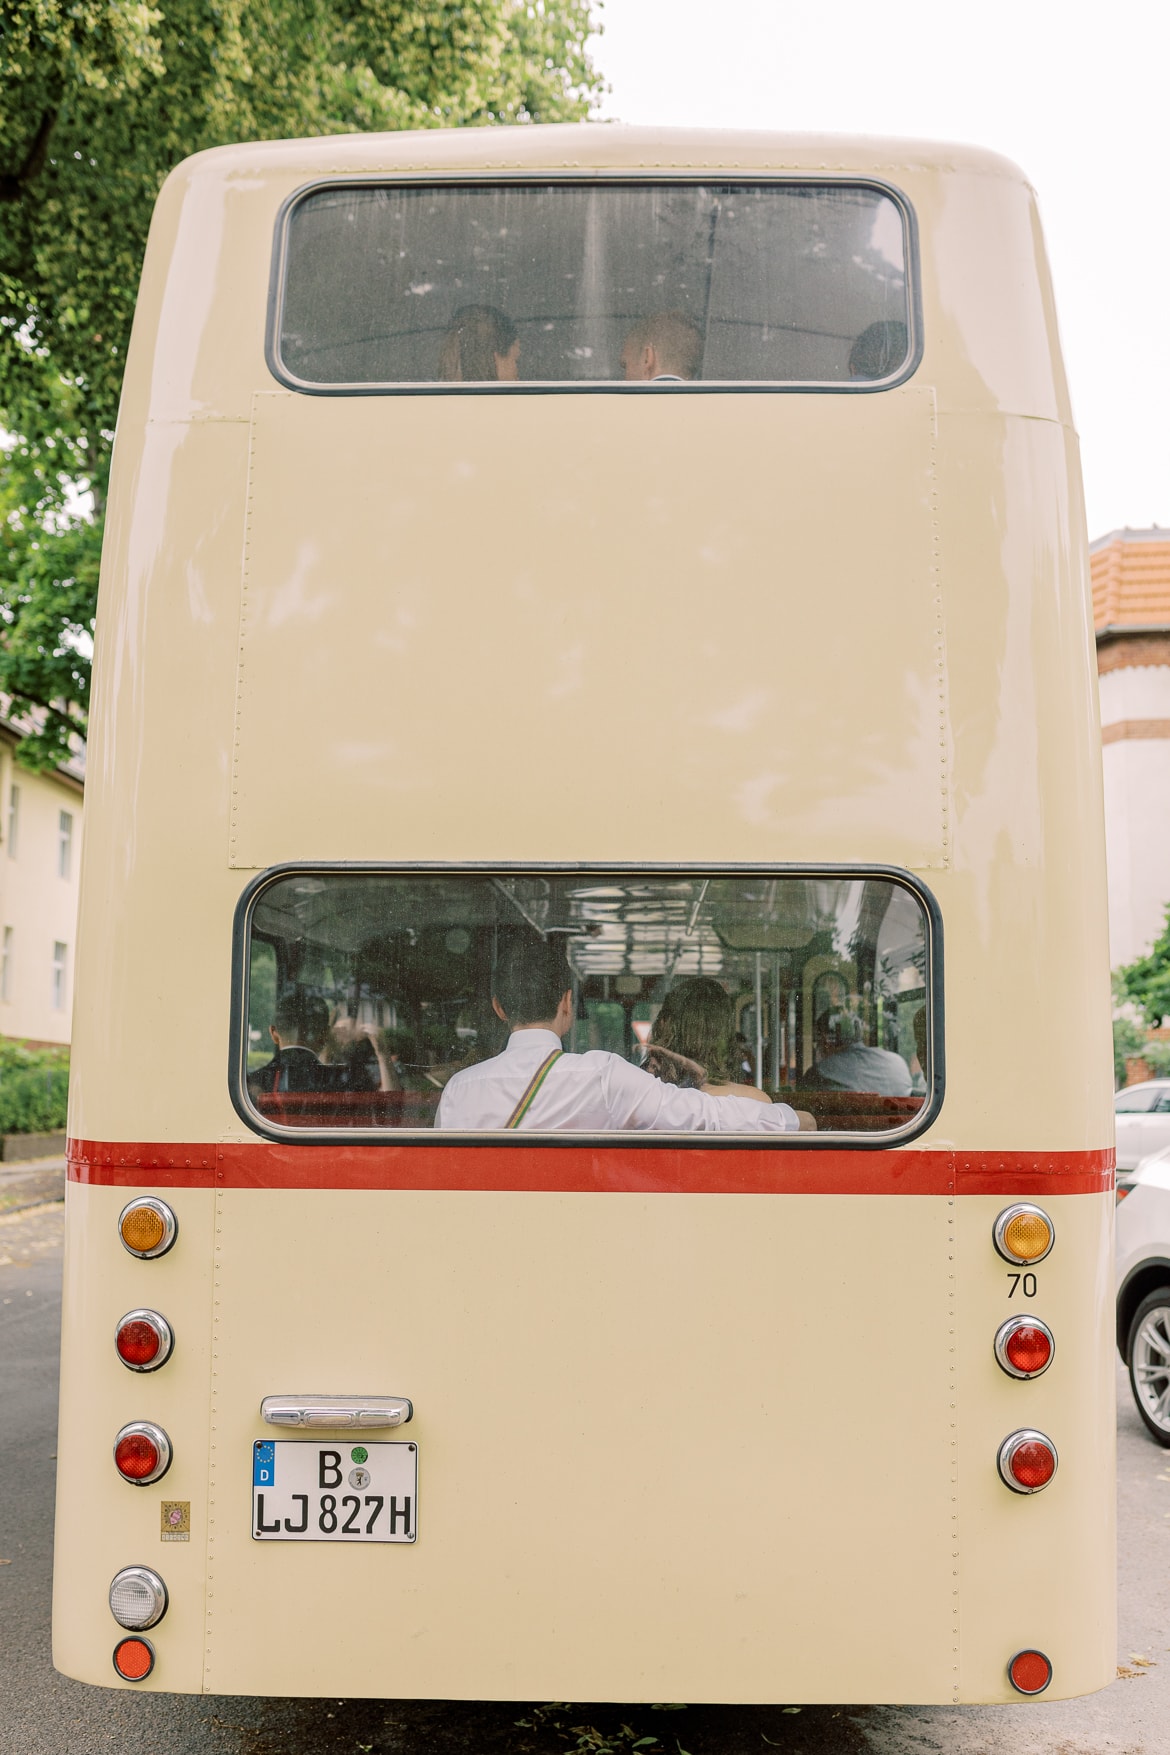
[142, 1229]
[1028, 1236]
[147, 1227]
[134, 1659]
[1023, 1233]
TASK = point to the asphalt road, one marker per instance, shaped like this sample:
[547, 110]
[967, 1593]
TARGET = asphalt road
[42, 1713]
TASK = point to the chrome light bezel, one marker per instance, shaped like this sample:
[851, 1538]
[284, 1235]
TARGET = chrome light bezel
[156, 1588]
[1004, 1220]
[1014, 1442]
[1004, 1334]
[155, 1320]
[170, 1227]
[158, 1438]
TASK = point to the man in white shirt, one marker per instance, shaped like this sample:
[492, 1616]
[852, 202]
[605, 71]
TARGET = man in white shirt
[535, 1085]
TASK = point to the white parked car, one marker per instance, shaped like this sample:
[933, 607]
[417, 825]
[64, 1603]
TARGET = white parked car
[1143, 1289]
[1143, 1121]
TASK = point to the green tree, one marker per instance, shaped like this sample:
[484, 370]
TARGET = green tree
[100, 99]
[1128, 1039]
[1146, 982]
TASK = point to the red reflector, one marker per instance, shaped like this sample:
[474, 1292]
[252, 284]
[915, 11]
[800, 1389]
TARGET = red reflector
[1029, 1349]
[1030, 1672]
[136, 1456]
[134, 1659]
[137, 1343]
[1033, 1464]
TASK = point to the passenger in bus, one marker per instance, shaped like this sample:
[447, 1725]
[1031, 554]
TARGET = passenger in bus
[481, 345]
[295, 1066]
[365, 1057]
[534, 1084]
[664, 348]
[845, 1063]
[878, 350]
[695, 1044]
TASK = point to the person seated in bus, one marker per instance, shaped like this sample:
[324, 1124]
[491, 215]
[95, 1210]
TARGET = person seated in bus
[295, 1066]
[534, 1084]
[844, 1063]
[694, 1044]
[480, 346]
[878, 350]
[365, 1057]
[664, 348]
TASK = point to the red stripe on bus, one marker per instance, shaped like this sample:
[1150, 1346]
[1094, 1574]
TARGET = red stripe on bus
[587, 1169]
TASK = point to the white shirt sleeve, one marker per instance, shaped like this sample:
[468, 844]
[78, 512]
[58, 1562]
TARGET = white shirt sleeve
[637, 1100]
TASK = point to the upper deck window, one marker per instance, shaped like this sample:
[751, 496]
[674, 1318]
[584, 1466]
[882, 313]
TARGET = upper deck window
[763, 283]
[381, 999]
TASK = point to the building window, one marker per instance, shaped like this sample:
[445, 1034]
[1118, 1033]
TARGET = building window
[6, 966]
[13, 820]
[64, 843]
[60, 952]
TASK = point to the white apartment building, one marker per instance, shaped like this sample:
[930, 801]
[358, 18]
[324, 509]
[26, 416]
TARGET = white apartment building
[1131, 613]
[40, 854]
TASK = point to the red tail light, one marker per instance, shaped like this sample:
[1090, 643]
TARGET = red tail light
[1024, 1346]
[142, 1453]
[134, 1659]
[1027, 1461]
[1029, 1672]
[143, 1340]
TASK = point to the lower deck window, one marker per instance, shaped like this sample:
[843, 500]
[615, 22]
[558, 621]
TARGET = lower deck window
[383, 999]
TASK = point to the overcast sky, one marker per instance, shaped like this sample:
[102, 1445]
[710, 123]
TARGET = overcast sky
[1080, 97]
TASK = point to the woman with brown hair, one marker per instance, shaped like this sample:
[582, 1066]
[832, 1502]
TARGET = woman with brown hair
[481, 345]
[693, 1043]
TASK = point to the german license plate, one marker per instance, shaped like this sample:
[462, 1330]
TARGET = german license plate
[306, 1491]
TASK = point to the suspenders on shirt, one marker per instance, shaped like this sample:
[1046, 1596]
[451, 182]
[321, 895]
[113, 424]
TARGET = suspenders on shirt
[538, 1078]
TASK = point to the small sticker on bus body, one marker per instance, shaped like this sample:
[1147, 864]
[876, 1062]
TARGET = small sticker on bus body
[176, 1520]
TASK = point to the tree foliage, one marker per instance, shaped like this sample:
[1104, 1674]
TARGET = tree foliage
[1146, 982]
[100, 99]
[1128, 1040]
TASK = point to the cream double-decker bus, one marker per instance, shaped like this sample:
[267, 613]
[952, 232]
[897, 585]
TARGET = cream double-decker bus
[586, 613]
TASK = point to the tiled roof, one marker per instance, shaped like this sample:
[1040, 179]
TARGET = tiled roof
[1131, 579]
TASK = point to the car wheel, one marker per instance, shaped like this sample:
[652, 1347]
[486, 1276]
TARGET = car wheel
[1149, 1362]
